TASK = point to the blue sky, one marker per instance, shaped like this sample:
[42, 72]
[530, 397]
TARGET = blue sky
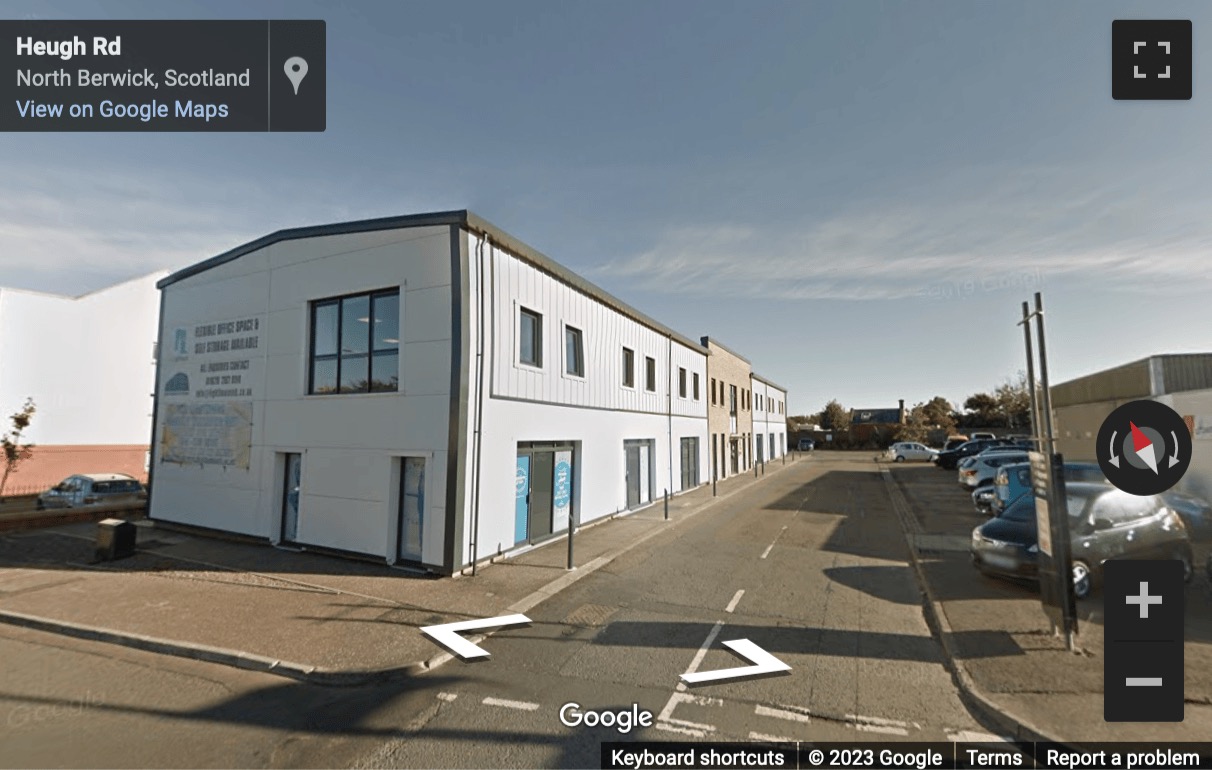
[858, 196]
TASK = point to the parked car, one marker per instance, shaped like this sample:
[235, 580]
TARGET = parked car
[92, 489]
[910, 450]
[982, 499]
[1105, 523]
[953, 441]
[985, 467]
[950, 459]
[806, 445]
[1012, 481]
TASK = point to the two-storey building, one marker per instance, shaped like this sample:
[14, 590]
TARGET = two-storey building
[422, 389]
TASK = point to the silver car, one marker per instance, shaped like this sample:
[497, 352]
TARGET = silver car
[93, 489]
[911, 450]
[982, 472]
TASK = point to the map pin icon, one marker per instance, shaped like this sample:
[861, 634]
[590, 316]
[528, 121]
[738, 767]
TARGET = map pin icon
[296, 70]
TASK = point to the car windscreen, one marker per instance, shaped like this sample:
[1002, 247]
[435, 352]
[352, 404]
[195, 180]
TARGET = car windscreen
[1122, 508]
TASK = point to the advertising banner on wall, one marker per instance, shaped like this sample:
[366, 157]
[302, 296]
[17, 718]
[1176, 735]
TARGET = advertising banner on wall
[206, 410]
[561, 497]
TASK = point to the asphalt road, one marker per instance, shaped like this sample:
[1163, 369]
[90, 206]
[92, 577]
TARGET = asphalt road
[810, 565]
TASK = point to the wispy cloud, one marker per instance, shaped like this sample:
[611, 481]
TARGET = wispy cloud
[1028, 223]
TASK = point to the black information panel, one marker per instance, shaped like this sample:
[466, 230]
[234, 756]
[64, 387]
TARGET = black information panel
[905, 756]
[163, 75]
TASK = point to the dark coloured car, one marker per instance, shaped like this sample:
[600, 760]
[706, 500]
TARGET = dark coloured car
[951, 458]
[1105, 523]
[806, 445]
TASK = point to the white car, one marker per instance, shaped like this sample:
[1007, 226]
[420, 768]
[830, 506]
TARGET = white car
[911, 450]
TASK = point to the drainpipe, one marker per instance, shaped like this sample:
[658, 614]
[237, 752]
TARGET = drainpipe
[669, 409]
[475, 481]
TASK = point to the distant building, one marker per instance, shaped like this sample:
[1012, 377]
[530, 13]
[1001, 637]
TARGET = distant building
[876, 424]
[1182, 381]
[88, 363]
[729, 416]
[769, 419]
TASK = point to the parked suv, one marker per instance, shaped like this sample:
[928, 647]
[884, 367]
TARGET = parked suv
[985, 467]
[951, 459]
[93, 489]
[1104, 523]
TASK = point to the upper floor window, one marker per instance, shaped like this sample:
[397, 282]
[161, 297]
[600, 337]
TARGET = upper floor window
[732, 400]
[682, 382]
[650, 374]
[530, 338]
[713, 401]
[628, 367]
[696, 386]
[355, 344]
[574, 352]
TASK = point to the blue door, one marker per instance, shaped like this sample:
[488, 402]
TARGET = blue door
[521, 510]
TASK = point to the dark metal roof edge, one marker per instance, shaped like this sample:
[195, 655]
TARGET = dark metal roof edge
[458, 217]
[774, 385]
[725, 348]
[1146, 360]
[549, 265]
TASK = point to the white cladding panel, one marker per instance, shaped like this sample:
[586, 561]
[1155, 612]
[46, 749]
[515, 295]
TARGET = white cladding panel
[350, 443]
[604, 331]
[768, 419]
[595, 413]
[88, 362]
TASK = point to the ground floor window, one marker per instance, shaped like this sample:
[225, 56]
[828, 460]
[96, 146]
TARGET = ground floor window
[292, 480]
[544, 485]
[638, 457]
[690, 462]
[412, 508]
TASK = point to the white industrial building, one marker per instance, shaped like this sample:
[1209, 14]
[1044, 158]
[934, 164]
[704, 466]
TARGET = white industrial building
[88, 364]
[769, 420]
[422, 389]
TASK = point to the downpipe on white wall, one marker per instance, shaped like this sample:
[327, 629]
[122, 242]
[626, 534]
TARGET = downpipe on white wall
[481, 247]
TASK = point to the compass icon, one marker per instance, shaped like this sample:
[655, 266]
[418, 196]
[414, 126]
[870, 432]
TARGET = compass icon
[1144, 447]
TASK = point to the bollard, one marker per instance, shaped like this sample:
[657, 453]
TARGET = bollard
[755, 470]
[713, 485]
[666, 505]
[571, 529]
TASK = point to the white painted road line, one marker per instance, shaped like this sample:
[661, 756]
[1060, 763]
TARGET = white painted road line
[735, 600]
[884, 729]
[520, 705]
[681, 730]
[698, 656]
[770, 547]
[769, 738]
[447, 696]
[797, 715]
[971, 736]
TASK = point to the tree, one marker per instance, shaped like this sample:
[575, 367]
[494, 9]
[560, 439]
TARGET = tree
[984, 410]
[14, 451]
[939, 412]
[917, 424]
[835, 417]
[1014, 401]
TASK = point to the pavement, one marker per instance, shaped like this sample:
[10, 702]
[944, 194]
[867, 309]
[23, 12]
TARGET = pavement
[324, 620]
[1003, 652]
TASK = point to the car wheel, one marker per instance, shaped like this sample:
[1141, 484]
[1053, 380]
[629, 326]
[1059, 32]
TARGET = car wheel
[1083, 581]
[900, 458]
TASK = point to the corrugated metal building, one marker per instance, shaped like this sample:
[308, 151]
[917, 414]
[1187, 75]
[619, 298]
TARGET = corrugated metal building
[423, 389]
[1181, 381]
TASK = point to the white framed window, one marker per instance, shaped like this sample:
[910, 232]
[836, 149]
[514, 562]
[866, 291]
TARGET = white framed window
[682, 382]
[628, 368]
[530, 337]
[696, 386]
[650, 374]
[574, 352]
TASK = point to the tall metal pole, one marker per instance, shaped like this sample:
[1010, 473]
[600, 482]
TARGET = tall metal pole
[1057, 503]
[1043, 375]
[1036, 432]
